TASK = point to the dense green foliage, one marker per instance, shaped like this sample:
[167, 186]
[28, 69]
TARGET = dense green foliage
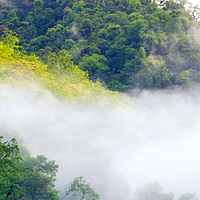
[59, 75]
[125, 43]
[25, 178]
[11, 173]
[40, 185]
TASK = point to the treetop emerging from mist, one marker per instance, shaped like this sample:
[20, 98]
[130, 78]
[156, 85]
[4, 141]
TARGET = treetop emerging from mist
[80, 190]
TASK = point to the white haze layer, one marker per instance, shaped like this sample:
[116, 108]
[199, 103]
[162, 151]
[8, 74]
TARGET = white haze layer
[116, 149]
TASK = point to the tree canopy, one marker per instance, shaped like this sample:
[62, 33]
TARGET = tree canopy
[113, 41]
[54, 72]
[11, 173]
[80, 190]
[25, 177]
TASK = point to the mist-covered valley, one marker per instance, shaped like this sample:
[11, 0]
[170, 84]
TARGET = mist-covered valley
[116, 148]
[99, 100]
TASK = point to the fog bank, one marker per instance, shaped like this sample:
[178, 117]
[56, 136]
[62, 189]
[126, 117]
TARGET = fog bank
[116, 149]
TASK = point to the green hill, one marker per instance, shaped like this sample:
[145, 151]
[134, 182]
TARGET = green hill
[59, 76]
[124, 43]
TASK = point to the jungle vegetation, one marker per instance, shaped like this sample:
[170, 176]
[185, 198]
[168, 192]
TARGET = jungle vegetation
[125, 44]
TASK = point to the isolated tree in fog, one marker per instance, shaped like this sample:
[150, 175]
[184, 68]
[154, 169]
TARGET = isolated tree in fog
[152, 191]
[188, 196]
[80, 190]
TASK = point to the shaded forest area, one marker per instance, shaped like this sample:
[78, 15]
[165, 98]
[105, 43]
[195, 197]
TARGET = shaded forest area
[123, 43]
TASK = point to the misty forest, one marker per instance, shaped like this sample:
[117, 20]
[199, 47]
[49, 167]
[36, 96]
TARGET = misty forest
[99, 100]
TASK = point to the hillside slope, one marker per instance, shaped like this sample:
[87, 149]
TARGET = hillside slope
[59, 77]
[124, 43]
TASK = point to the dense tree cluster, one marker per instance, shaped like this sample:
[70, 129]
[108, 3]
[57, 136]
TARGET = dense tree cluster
[25, 177]
[59, 76]
[124, 43]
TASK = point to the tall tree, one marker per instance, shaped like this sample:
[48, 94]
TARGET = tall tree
[11, 173]
[40, 186]
[80, 190]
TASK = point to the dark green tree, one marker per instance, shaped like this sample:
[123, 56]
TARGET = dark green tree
[117, 30]
[11, 173]
[40, 185]
[96, 65]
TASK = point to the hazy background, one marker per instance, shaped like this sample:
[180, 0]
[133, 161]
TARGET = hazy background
[115, 148]
[195, 1]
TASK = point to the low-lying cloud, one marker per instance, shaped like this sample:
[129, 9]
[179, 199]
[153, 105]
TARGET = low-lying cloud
[116, 149]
